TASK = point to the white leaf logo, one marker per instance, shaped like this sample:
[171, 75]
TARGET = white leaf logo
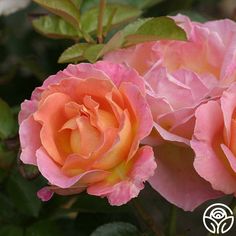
[218, 218]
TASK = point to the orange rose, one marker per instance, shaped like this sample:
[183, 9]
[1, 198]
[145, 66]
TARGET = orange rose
[82, 130]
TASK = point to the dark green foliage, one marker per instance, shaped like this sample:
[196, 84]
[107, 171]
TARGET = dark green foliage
[27, 58]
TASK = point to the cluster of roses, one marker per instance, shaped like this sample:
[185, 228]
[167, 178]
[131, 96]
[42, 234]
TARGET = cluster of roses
[162, 112]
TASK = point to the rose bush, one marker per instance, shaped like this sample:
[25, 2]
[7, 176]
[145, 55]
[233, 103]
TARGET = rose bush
[82, 129]
[180, 76]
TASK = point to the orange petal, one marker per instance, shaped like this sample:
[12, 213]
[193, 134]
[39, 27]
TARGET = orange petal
[72, 109]
[86, 139]
[51, 115]
[120, 150]
[232, 145]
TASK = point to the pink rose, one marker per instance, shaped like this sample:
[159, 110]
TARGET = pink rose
[180, 76]
[214, 142]
[82, 130]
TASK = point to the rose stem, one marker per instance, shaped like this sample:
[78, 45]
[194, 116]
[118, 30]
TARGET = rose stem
[171, 229]
[102, 6]
[147, 218]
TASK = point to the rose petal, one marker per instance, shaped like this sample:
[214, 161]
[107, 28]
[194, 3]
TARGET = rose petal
[119, 74]
[30, 140]
[177, 181]
[120, 193]
[130, 57]
[27, 108]
[51, 115]
[210, 160]
[228, 104]
[50, 170]
[45, 194]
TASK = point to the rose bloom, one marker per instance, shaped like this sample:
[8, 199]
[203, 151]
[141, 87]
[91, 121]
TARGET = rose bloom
[179, 77]
[82, 129]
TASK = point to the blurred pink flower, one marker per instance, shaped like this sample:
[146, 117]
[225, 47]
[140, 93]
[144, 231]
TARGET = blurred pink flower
[179, 77]
[10, 6]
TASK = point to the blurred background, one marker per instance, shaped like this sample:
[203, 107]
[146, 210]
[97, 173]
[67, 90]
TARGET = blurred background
[26, 59]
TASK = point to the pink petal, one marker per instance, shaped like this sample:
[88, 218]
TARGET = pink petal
[167, 86]
[130, 187]
[177, 181]
[223, 28]
[228, 104]
[209, 166]
[83, 71]
[142, 113]
[52, 117]
[185, 23]
[30, 141]
[228, 70]
[27, 108]
[53, 173]
[131, 57]
[210, 160]
[53, 79]
[45, 194]
[165, 134]
[205, 128]
[119, 73]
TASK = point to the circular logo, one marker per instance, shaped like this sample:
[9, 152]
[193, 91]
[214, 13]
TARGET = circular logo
[218, 218]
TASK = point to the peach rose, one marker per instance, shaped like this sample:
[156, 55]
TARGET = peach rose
[179, 77]
[214, 142]
[82, 129]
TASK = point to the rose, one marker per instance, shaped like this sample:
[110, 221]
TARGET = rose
[214, 142]
[82, 130]
[180, 76]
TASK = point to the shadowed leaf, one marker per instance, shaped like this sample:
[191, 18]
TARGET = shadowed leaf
[54, 27]
[120, 14]
[63, 8]
[23, 195]
[7, 122]
[116, 229]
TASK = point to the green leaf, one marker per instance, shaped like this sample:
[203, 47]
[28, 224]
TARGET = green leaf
[141, 4]
[73, 53]
[63, 8]
[144, 4]
[77, 3]
[118, 39]
[120, 14]
[116, 229]
[11, 230]
[88, 203]
[23, 195]
[7, 122]
[43, 228]
[81, 52]
[3, 174]
[156, 29]
[142, 30]
[7, 157]
[54, 27]
[6, 208]
[92, 52]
